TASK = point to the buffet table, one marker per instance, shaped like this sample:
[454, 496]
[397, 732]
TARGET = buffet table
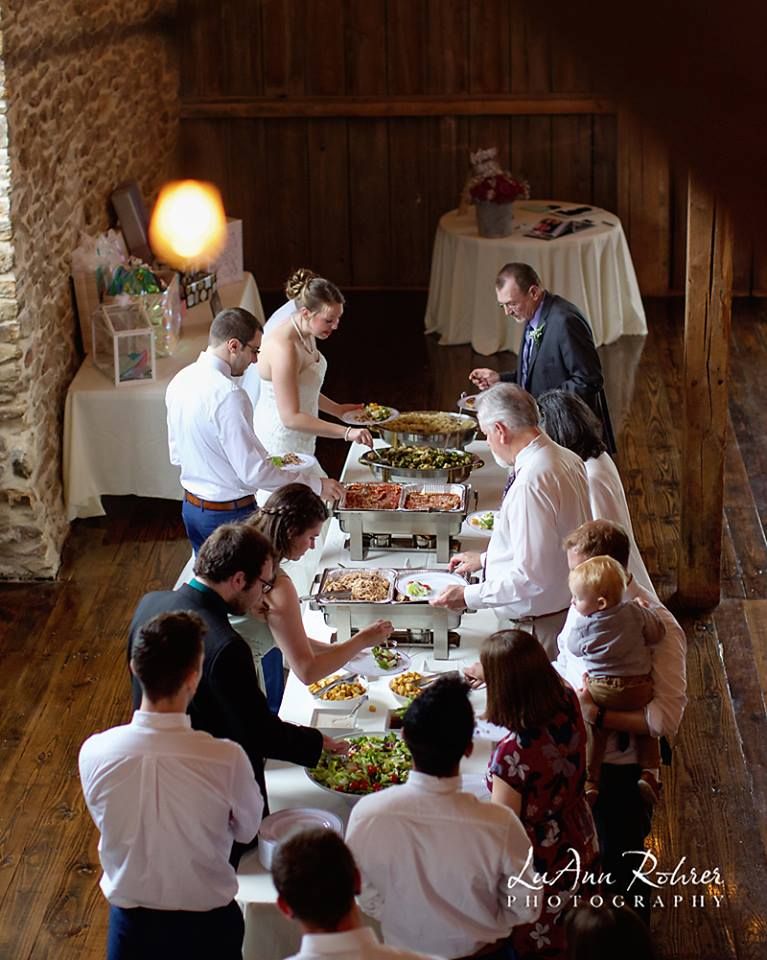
[115, 438]
[268, 935]
[592, 269]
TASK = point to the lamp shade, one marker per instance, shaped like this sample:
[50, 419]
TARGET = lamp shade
[188, 225]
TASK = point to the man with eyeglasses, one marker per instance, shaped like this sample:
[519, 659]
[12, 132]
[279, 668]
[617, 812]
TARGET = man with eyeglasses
[210, 432]
[557, 351]
[233, 569]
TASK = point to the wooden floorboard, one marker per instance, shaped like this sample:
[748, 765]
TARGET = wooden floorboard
[63, 643]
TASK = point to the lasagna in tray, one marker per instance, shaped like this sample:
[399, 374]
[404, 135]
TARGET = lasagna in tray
[372, 496]
[432, 501]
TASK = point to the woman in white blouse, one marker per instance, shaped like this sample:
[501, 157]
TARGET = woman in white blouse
[571, 424]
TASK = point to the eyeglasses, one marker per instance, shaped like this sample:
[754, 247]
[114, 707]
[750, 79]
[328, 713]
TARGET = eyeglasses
[253, 349]
[266, 585]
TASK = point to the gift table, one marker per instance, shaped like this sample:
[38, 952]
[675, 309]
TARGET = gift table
[269, 935]
[592, 269]
[115, 438]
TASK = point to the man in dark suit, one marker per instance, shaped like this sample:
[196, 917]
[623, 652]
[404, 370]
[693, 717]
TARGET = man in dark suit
[233, 570]
[557, 351]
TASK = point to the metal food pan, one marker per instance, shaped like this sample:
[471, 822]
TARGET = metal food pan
[464, 432]
[343, 505]
[456, 488]
[325, 596]
[384, 471]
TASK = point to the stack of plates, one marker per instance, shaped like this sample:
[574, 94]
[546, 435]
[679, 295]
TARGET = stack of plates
[279, 826]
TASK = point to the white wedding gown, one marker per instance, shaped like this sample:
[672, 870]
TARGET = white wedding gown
[270, 430]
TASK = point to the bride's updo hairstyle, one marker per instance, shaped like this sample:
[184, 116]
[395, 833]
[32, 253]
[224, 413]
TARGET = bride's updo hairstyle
[310, 291]
[288, 513]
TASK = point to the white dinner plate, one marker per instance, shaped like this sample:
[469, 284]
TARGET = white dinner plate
[470, 528]
[357, 418]
[364, 664]
[279, 826]
[437, 580]
[468, 403]
[307, 460]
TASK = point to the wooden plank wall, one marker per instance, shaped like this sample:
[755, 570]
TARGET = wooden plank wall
[339, 130]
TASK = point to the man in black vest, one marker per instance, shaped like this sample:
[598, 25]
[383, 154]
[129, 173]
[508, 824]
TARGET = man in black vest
[557, 350]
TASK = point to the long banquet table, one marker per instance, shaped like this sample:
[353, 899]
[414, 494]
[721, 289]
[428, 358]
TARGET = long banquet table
[592, 268]
[115, 438]
[268, 934]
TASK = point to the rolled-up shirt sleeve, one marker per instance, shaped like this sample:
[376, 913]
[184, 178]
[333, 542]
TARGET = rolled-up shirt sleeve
[245, 452]
[669, 677]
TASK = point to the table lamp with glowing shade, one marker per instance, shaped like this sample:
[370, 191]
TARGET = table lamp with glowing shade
[187, 229]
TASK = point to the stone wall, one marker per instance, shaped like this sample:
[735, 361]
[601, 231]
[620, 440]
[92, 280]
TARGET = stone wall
[89, 99]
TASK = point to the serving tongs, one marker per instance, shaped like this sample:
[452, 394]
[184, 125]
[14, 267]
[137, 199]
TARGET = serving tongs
[349, 678]
[428, 678]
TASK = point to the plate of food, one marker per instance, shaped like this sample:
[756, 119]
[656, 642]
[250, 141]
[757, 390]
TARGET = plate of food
[369, 415]
[482, 522]
[373, 763]
[293, 461]
[468, 403]
[380, 661]
[340, 690]
[420, 585]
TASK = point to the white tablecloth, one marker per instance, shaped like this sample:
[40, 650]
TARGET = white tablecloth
[592, 269]
[268, 935]
[115, 438]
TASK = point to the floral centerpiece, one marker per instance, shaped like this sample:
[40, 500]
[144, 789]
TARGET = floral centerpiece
[493, 190]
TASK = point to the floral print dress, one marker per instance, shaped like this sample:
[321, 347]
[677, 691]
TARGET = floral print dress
[547, 766]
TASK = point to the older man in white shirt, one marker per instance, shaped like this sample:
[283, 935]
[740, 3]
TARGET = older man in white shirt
[524, 571]
[622, 818]
[169, 801]
[462, 906]
[210, 432]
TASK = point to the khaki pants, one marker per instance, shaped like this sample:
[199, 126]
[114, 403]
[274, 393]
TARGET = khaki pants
[545, 629]
[619, 693]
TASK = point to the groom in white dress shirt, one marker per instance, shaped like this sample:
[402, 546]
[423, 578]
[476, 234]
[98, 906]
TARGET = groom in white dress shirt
[524, 571]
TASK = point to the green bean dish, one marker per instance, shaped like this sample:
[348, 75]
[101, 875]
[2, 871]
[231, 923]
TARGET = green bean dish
[422, 458]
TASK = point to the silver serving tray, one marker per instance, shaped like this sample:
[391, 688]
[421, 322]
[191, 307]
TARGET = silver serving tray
[457, 488]
[455, 439]
[324, 596]
[383, 471]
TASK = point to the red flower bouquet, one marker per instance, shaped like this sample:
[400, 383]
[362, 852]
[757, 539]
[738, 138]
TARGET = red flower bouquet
[499, 188]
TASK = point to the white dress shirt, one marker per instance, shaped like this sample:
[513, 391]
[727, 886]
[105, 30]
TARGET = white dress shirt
[608, 502]
[210, 435]
[168, 801]
[525, 565]
[669, 675]
[358, 944]
[436, 863]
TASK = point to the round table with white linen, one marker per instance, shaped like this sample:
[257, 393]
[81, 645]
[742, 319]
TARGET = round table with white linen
[591, 268]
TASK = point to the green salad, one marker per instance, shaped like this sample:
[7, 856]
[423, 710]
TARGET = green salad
[422, 458]
[417, 589]
[372, 764]
[485, 521]
[386, 657]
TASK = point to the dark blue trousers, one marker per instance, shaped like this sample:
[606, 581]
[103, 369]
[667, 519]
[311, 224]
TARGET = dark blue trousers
[142, 934]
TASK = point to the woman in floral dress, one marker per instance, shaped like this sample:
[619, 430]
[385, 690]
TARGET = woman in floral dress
[539, 771]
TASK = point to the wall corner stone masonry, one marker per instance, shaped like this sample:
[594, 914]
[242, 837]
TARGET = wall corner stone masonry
[88, 98]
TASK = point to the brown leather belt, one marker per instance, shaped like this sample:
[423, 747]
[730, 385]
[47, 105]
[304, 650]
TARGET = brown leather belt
[217, 504]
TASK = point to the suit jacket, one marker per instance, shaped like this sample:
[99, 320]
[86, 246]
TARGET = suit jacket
[565, 358]
[228, 702]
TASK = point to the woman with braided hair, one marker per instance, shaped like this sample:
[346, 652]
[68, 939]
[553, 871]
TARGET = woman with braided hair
[292, 371]
[291, 519]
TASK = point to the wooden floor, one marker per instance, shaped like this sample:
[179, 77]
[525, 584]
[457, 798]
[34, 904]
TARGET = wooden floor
[63, 644]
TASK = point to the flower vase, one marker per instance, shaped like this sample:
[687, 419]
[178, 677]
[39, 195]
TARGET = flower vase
[494, 219]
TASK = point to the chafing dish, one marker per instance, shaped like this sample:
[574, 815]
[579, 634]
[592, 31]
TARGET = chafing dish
[384, 471]
[332, 574]
[464, 431]
[421, 528]
[414, 623]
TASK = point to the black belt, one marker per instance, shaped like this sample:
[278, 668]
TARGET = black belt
[217, 504]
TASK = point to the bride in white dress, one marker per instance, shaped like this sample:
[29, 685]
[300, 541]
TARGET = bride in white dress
[292, 371]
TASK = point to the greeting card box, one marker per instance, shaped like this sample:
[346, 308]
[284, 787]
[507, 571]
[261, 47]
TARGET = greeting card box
[123, 343]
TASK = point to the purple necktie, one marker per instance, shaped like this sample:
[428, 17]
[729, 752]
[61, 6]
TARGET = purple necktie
[527, 349]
